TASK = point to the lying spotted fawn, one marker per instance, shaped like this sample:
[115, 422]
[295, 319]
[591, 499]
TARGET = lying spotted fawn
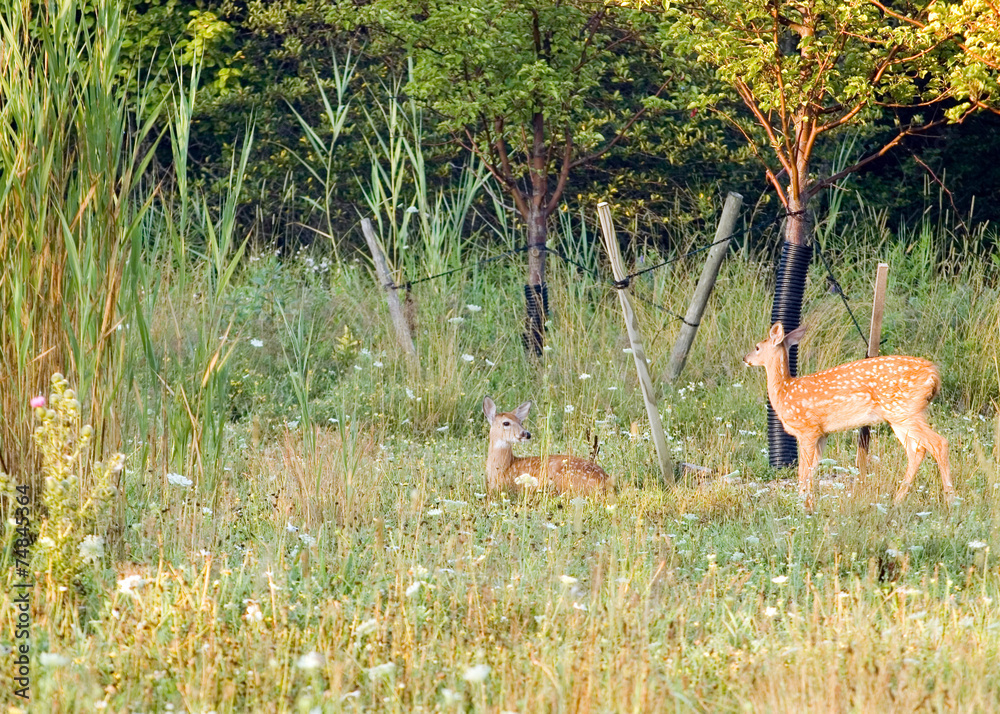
[893, 389]
[509, 472]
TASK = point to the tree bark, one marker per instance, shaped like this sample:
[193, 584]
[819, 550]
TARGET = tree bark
[535, 293]
[537, 235]
[798, 224]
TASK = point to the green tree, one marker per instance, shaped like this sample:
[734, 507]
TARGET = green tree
[808, 69]
[974, 71]
[533, 88]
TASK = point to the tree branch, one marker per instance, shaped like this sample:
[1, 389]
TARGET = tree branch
[619, 136]
[903, 133]
[563, 173]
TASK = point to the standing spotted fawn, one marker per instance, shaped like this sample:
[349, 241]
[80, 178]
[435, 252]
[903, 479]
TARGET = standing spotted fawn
[508, 472]
[893, 389]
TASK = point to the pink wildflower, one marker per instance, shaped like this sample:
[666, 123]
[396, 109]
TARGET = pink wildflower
[37, 402]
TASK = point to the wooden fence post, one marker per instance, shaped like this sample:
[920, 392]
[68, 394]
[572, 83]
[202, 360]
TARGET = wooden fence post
[723, 237]
[384, 276]
[874, 339]
[635, 339]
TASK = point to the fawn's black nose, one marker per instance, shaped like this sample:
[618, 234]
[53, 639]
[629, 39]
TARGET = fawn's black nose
[526, 435]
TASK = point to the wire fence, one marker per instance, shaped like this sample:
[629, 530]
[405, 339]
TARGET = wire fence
[626, 282]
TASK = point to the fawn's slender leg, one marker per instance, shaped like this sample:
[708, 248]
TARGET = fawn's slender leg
[909, 437]
[809, 450]
[938, 446]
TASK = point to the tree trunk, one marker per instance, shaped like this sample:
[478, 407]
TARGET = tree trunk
[798, 224]
[535, 291]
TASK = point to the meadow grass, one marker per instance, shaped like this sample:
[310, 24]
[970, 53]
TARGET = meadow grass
[352, 561]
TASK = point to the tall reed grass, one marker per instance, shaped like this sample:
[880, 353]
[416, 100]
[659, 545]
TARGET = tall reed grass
[74, 145]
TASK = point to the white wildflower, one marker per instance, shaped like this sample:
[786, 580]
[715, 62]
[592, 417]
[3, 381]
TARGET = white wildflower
[526, 481]
[473, 308]
[128, 584]
[117, 463]
[256, 343]
[92, 548]
[568, 580]
[468, 358]
[310, 661]
[381, 670]
[179, 480]
[253, 612]
[52, 659]
[476, 673]
[366, 627]
[977, 544]
[780, 579]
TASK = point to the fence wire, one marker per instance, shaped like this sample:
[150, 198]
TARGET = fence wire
[625, 283]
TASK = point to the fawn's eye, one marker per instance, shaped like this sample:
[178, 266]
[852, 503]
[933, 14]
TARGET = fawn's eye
[506, 423]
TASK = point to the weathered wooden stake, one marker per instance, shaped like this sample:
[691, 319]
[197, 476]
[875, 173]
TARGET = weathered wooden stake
[635, 338]
[727, 224]
[874, 338]
[395, 309]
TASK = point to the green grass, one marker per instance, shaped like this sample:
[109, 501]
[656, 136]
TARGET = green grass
[372, 543]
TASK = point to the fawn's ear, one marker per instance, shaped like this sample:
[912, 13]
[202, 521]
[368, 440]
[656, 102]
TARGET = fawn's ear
[793, 337]
[522, 411]
[777, 334]
[489, 409]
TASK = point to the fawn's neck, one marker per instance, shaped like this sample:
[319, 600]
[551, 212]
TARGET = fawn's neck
[499, 459]
[778, 375]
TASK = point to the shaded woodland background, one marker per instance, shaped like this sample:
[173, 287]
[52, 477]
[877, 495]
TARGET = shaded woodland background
[263, 63]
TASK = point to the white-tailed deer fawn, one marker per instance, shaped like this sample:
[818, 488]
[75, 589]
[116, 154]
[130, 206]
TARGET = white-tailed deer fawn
[509, 472]
[894, 389]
